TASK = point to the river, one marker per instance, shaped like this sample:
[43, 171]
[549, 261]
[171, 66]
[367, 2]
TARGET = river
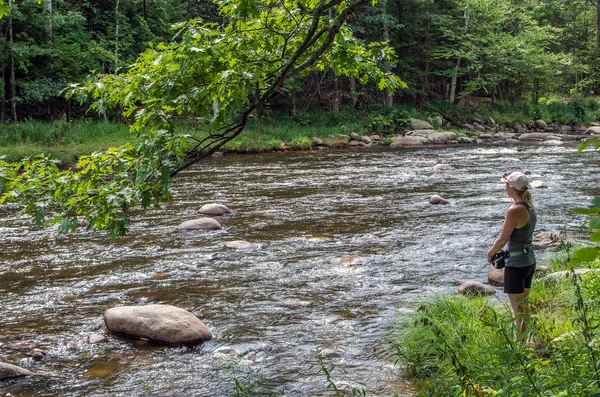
[272, 309]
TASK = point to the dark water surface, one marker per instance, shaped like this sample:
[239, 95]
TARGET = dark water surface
[272, 308]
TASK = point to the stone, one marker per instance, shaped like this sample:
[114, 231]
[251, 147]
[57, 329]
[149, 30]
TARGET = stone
[540, 124]
[538, 137]
[478, 127]
[476, 288]
[441, 136]
[506, 135]
[442, 167]
[37, 354]
[214, 209]
[417, 124]
[538, 184]
[567, 273]
[96, 338]
[540, 269]
[161, 323]
[217, 154]
[552, 142]
[318, 141]
[565, 129]
[552, 239]
[240, 245]
[12, 371]
[593, 130]
[520, 128]
[486, 136]
[199, 224]
[354, 136]
[353, 143]
[436, 199]
[436, 120]
[348, 260]
[366, 139]
[495, 276]
[401, 141]
[375, 138]
[464, 139]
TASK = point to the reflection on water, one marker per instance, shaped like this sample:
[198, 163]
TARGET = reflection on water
[355, 244]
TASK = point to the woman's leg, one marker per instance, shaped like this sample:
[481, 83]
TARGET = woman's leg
[518, 302]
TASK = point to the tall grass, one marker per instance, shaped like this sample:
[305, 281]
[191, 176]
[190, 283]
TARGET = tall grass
[459, 346]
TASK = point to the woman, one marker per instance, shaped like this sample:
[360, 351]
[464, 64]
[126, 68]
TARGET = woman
[517, 231]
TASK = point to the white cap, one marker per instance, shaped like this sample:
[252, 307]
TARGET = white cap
[518, 180]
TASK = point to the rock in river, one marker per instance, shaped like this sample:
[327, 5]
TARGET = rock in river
[436, 199]
[160, 323]
[476, 288]
[214, 209]
[12, 371]
[199, 224]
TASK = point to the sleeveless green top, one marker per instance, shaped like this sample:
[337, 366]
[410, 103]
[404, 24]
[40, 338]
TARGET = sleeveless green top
[520, 239]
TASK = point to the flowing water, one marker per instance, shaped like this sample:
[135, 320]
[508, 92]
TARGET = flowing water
[359, 246]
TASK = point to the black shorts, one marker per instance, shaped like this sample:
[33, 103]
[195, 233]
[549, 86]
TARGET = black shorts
[516, 279]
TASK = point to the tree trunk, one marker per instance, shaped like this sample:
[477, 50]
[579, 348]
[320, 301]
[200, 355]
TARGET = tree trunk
[598, 24]
[387, 95]
[13, 88]
[116, 36]
[335, 106]
[48, 20]
[353, 93]
[452, 97]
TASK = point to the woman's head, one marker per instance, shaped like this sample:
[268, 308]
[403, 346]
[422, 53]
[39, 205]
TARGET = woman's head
[519, 183]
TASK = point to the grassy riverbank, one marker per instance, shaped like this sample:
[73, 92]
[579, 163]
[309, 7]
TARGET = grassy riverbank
[460, 346]
[66, 141]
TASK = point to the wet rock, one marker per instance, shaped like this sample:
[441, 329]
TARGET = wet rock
[565, 129]
[593, 131]
[161, 323]
[37, 354]
[400, 141]
[538, 184]
[348, 260]
[375, 138]
[476, 288]
[486, 136]
[354, 143]
[495, 276]
[199, 224]
[214, 209]
[541, 124]
[553, 239]
[366, 140]
[96, 338]
[441, 137]
[240, 245]
[435, 199]
[12, 371]
[442, 167]
[512, 141]
[478, 127]
[533, 137]
[417, 124]
[217, 154]
[506, 135]
[520, 128]
[552, 142]
[464, 139]
[26, 345]
[318, 141]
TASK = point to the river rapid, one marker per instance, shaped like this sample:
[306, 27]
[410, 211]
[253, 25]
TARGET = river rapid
[359, 246]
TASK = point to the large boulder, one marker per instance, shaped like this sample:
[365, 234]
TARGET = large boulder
[476, 288]
[417, 124]
[553, 239]
[506, 135]
[538, 137]
[160, 323]
[441, 136]
[214, 209]
[593, 131]
[540, 124]
[12, 371]
[401, 141]
[199, 224]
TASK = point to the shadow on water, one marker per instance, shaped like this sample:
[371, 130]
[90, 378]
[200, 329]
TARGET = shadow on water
[358, 244]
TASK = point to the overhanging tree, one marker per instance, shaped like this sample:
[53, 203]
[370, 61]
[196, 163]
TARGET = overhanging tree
[187, 99]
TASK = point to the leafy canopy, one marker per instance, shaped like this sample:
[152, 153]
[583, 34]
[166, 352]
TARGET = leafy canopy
[186, 99]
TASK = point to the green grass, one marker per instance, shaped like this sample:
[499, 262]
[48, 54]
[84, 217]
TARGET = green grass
[60, 140]
[459, 346]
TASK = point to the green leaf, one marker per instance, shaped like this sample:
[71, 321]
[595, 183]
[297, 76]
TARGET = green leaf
[584, 255]
[595, 237]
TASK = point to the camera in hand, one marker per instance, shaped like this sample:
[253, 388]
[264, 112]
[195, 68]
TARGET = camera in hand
[499, 259]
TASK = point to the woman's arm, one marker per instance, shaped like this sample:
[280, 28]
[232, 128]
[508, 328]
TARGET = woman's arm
[510, 222]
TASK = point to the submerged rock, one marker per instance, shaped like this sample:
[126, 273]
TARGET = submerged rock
[160, 323]
[476, 288]
[214, 209]
[12, 371]
[240, 245]
[275, 213]
[442, 167]
[199, 224]
[435, 199]
[96, 338]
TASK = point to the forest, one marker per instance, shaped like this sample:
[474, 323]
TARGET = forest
[458, 51]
